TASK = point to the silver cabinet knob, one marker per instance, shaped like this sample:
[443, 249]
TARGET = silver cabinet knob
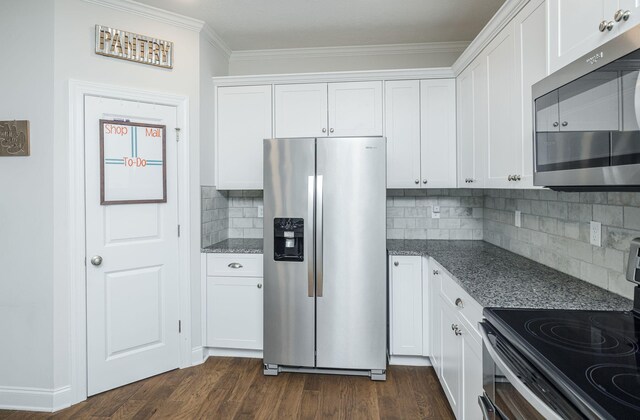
[606, 25]
[565, 123]
[471, 180]
[510, 178]
[622, 15]
[454, 327]
[424, 181]
[259, 285]
[396, 263]
[331, 130]
[518, 177]
[235, 265]
[459, 303]
[436, 272]
[417, 181]
[96, 260]
[555, 124]
[457, 331]
[324, 130]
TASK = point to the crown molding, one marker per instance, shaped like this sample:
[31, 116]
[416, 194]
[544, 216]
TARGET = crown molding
[216, 40]
[349, 51]
[151, 12]
[498, 22]
[342, 76]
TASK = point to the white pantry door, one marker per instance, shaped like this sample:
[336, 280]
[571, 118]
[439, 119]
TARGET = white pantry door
[132, 295]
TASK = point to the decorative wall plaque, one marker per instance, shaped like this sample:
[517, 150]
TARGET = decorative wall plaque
[132, 163]
[133, 47]
[14, 138]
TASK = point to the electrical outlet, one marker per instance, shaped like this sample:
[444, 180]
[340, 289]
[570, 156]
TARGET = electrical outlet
[595, 233]
[260, 211]
[435, 212]
[518, 218]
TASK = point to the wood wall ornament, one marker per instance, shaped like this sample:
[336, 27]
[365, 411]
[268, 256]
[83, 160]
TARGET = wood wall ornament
[129, 46]
[14, 138]
[132, 163]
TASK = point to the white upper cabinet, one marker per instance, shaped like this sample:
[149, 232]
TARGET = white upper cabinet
[503, 147]
[532, 66]
[402, 125]
[243, 122]
[438, 132]
[577, 26]
[480, 126]
[355, 109]
[301, 110]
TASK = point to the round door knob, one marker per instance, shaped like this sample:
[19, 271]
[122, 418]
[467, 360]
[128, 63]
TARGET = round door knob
[396, 263]
[96, 260]
[324, 130]
[606, 25]
[417, 181]
[331, 130]
[424, 181]
[565, 123]
[622, 15]
[259, 285]
[555, 124]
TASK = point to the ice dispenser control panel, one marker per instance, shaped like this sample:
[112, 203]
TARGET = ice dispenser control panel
[288, 239]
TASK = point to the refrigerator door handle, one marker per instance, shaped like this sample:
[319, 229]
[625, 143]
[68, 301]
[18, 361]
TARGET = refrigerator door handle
[309, 228]
[319, 238]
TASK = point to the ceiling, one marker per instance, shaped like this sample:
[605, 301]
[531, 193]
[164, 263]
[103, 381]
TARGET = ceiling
[264, 24]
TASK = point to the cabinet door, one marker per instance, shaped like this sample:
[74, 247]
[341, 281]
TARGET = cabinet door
[301, 110]
[590, 103]
[452, 347]
[438, 133]
[435, 318]
[465, 128]
[406, 305]
[355, 109]
[402, 125]
[574, 28]
[504, 150]
[244, 120]
[234, 312]
[480, 121]
[472, 377]
[532, 53]
[633, 7]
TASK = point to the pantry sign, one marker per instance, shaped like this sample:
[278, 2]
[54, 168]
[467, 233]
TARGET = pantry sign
[132, 163]
[133, 47]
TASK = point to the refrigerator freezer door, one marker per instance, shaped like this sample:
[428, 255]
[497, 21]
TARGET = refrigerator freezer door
[352, 311]
[289, 175]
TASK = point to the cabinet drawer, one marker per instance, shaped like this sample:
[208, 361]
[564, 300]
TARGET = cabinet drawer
[234, 265]
[466, 306]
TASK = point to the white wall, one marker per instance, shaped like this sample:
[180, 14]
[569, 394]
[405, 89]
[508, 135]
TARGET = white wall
[313, 60]
[26, 197]
[75, 59]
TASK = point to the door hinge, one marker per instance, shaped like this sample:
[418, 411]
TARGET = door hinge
[178, 231]
[179, 326]
[177, 134]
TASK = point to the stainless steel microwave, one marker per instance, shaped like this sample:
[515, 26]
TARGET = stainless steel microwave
[587, 120]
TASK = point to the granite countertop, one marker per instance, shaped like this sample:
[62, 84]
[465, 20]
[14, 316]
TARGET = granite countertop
[498, 278]
[493, 276]
[235, 246]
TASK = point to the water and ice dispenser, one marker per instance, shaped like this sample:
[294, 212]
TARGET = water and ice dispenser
[288, 239]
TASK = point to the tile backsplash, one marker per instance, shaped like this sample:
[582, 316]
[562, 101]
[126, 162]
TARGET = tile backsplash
[555, 231]
[245, 219]
[410, 214]
[214, 215]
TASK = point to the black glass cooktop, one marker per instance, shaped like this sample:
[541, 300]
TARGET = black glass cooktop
[592, 357]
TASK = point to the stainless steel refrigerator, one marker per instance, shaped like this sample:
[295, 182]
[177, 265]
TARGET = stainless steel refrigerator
[325, 288]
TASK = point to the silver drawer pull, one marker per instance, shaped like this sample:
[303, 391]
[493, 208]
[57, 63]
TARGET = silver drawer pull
[235, 265]
[459, 303]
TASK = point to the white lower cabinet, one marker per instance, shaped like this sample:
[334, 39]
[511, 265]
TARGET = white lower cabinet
[234, 301]
[405, 305]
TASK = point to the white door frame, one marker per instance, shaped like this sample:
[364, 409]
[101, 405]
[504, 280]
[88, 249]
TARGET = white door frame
[76, 232]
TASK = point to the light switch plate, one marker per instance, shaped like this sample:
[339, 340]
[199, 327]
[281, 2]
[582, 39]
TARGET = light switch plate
[595, 234]
[518, 218]
[435, 212]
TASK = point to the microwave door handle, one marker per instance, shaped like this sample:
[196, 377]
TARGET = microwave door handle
[526, 393]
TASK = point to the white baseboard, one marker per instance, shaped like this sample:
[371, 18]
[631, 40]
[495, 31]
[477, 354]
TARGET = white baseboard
[409, 361]
[252, 354]
[197, 356]
[35, 399]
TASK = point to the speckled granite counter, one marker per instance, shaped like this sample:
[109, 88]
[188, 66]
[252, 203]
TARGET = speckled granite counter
[491, 275]
[499, 278]
[235, 246]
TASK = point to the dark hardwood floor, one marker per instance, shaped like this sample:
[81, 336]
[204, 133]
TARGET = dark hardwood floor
[232, 388]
